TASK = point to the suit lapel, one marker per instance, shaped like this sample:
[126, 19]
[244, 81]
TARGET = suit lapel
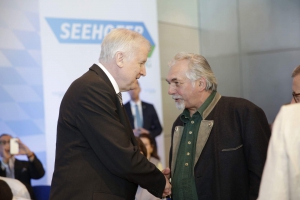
[205, 128]
[203, 134]
[176, 142]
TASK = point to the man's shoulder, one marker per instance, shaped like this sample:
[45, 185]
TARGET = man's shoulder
[236, 101]
[237, 104]
[147, 104]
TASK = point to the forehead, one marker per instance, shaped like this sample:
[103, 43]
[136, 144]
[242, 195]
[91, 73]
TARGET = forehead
[178, 71]
[141, 53]
[5, 137]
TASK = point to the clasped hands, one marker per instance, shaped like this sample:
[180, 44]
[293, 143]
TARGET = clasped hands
[167, 190]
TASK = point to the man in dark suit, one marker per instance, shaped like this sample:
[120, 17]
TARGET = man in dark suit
[97, 155]
[142, 116]
[21, 170]
[219, 144]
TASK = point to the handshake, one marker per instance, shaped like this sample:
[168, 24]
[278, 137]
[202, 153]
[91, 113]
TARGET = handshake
[167, 190]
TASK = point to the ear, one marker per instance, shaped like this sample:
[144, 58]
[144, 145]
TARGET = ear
[202, 84]
[119, 57]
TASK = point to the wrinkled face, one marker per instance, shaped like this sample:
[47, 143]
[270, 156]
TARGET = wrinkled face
[5, 144]
[296, 89]
[148, 146]
[134, 94]
[180, 87]
[134, 67]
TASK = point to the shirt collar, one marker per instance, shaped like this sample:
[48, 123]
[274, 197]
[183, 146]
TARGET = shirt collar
[132, 103]
[186, 113]
[111, 78]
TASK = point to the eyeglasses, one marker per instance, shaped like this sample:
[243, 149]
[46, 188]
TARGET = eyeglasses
[296, 97]
[4, 142]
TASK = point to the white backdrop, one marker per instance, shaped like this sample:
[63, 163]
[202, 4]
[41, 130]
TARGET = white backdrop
[71, 33]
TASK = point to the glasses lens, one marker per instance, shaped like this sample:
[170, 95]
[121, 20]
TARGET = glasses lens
[296, 97]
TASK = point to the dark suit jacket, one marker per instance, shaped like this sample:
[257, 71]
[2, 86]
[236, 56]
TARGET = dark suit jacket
[25, 171]
[150, 118]
[231, 149]
[97, 156]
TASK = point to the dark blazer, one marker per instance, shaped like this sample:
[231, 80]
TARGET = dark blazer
[25, 171]
[231, 149]
[97, 155]
[150, 118]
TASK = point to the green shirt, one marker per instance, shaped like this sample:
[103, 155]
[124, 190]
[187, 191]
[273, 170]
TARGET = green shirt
[183, 181]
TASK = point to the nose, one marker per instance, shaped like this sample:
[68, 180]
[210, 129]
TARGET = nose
[293, 101]
[143, 71]
[171, 90]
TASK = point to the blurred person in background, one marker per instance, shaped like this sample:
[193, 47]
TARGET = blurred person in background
[281, 175]
[141, 193]
[151, 147]
[18, 189]
[142, 115]
[21, 170]
[296, 85]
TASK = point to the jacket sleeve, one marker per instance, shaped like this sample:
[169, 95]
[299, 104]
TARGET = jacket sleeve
[256, 135]
[36, 168]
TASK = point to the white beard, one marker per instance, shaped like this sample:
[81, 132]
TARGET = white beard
[180, 105]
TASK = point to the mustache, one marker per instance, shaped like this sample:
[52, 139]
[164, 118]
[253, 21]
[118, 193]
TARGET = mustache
[176, 97]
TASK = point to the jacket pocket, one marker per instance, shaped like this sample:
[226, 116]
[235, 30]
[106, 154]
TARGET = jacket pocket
[233, 149]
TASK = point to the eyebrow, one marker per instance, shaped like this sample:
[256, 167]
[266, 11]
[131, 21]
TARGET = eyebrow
[172, 80]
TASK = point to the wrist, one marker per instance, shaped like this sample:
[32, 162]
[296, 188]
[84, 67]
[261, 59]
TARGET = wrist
[30, 155]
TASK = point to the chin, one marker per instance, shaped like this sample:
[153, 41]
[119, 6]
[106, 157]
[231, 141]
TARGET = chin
[180, 105]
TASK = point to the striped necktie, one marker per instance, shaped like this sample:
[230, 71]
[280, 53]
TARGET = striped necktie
[120, 98]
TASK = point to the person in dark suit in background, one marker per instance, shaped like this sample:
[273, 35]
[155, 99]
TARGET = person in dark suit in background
[142, 115]
[219, 144]
[97, 155]
[21, 170]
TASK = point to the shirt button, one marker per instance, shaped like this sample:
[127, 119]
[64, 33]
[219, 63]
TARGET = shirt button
[190, 132]
[189, 142]
[192, 122]
[188, 153]
[186, 164]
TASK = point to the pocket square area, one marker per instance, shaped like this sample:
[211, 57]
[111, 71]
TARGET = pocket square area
[24, 170]
[233, 149]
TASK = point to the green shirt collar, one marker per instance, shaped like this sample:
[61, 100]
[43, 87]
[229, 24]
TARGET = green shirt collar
[186, 114]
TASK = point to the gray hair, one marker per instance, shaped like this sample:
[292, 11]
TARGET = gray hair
[296, 71]
[121, 39]
[198, 68]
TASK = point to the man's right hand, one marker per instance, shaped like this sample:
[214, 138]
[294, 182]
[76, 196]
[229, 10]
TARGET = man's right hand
[166, 172]
[167, 190]
[168, 187]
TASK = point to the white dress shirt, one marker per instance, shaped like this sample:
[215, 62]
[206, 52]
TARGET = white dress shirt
[111, 78]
